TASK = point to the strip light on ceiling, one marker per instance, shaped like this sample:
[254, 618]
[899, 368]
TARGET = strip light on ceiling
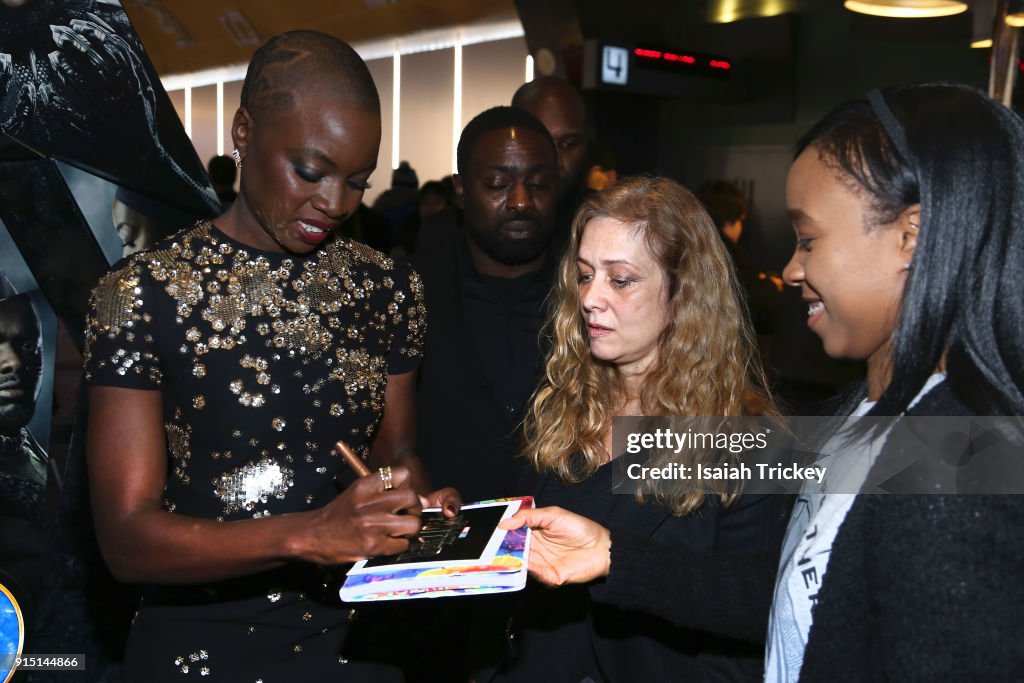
[906, 9]
[423, 41]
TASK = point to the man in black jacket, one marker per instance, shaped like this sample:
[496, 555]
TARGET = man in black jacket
[486, 278]
[485, 286]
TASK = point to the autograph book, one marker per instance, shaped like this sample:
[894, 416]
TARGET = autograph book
[465, 555]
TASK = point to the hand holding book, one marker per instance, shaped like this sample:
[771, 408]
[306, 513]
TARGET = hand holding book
[462, 555]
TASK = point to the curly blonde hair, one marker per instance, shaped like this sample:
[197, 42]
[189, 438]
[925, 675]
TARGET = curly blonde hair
[706, 362]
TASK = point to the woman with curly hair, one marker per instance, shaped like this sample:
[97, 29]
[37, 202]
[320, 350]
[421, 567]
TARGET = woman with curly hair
[647, 319]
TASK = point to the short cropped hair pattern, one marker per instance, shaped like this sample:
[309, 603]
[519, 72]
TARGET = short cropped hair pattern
[305, 62]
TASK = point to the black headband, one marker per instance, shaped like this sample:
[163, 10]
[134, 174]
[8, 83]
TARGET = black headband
[890, 123]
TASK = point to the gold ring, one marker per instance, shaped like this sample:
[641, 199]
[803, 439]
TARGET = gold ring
[385, 476]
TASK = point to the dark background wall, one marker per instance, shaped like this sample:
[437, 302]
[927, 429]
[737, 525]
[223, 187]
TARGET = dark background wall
[798, 65]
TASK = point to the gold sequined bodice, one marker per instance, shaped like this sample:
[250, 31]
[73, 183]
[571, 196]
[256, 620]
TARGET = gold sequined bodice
[264, 360]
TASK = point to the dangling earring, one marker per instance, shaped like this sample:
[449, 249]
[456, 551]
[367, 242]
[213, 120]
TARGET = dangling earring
[237, 156]
[915, 226]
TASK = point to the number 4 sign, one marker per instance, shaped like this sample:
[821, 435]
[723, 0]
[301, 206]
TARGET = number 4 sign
[615, 65]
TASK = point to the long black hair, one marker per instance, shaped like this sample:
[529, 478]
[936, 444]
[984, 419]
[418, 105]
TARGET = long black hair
[961, 156]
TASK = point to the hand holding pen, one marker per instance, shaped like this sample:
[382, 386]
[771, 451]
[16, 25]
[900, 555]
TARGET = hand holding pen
[360, 468]
[447, 499]
[365, 520]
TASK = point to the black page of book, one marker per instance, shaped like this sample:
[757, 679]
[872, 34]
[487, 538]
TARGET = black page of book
[462, 538]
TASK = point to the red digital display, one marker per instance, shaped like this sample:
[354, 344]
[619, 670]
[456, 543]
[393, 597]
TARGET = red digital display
[673, 57]
[649, 54]
[692, 62]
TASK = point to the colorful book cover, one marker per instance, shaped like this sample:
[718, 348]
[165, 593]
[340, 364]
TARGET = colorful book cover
[464, 555]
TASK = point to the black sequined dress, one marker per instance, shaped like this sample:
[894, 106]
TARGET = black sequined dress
[264, 360]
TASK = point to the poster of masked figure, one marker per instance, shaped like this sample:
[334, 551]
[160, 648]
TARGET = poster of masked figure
[90, 149]
[76, 85]
[27, 341]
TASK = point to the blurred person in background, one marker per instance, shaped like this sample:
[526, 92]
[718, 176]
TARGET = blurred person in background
[223, 172]
[561, 109]
[728, 207]
[602, 166]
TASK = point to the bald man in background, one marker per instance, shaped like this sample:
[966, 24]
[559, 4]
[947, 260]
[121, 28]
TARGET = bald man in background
[561, 109]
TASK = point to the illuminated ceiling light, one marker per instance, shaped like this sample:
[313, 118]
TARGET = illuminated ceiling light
[376, 49]
[728, 11]
[1015, 13]
[906, 9]
[983, 14]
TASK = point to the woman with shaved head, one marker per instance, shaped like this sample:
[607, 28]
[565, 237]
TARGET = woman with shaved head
[223, 366]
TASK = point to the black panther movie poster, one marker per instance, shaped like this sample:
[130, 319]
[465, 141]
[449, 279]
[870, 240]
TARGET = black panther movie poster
[76, 85]
[27, 343]
[94, 164]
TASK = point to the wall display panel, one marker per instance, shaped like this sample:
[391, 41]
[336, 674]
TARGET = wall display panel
[491, 73]
[425, 135]
[382, 71]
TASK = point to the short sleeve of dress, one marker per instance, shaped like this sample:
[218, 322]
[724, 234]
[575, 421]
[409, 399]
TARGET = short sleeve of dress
[120, 332]
[409, 314]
